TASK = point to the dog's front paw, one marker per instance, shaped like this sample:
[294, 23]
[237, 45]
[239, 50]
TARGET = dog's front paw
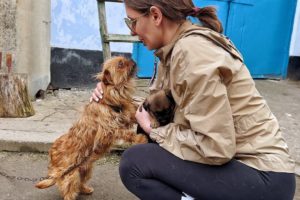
[140, 139]
[86, 190]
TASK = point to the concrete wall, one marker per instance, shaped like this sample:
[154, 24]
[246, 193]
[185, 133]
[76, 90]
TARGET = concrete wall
[33, 42]
[25, 32]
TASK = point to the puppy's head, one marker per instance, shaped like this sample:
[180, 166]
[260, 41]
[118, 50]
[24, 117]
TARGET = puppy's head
[161, 106]
[117, 71]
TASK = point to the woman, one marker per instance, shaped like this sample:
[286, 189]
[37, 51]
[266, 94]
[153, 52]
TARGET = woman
[224, 142]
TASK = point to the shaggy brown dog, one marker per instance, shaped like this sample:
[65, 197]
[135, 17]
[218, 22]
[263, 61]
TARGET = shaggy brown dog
[100, 126]
[160, 105]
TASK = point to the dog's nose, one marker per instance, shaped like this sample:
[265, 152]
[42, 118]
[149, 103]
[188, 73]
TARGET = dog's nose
[132, 62]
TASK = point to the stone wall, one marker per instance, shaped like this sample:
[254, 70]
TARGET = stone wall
[25, 40]
[8, 40]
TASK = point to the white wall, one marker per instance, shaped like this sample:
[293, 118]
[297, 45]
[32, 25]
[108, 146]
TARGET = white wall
[74, 24]
[295, 41]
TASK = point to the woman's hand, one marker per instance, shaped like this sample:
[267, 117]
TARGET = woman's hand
[143, 119]
[97, 93]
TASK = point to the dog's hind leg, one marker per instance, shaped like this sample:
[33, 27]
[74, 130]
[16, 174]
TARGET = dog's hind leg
[69, 185]
[85, 174]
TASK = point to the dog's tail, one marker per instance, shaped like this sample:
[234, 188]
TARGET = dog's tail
[45, 183]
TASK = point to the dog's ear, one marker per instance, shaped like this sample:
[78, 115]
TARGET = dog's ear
[106, 78]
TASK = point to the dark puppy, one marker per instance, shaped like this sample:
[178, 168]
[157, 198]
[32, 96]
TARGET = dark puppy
[160, 106]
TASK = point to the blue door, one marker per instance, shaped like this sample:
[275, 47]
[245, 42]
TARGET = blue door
[144, 60]
[261, 30]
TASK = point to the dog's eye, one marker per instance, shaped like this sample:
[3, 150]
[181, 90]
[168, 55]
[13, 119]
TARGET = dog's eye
[120, 65]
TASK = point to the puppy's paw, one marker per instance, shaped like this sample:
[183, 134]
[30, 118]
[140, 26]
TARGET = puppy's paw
[154, 124]
[86, 190]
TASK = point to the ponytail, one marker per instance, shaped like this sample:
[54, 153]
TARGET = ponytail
[208, 17]
[178, 11]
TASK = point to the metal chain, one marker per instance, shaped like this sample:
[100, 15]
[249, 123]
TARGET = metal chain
[19, 178]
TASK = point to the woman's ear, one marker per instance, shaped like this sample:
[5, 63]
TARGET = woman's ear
[156, 15]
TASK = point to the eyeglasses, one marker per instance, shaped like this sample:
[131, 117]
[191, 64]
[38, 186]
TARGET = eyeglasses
[131, 23]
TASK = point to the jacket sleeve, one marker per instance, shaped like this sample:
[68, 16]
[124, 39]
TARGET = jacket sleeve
[203, 128]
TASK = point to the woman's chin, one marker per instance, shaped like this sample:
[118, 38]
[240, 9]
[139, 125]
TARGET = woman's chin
[149, 47]
[143, 42]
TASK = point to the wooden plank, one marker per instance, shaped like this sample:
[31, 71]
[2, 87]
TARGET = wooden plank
[120, 38]
[116, 1]
[103, 29]
[107, 38]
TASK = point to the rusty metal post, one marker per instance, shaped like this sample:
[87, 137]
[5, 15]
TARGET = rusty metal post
[0, 60]
[9, 62]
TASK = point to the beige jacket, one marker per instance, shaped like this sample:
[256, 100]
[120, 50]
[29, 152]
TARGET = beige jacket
[220, 115]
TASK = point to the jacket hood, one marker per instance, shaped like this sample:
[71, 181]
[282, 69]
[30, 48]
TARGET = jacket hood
[187, 28]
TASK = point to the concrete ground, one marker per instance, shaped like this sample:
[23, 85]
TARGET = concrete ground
[20, 169]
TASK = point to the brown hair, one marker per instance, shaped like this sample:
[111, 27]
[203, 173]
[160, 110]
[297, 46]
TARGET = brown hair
[178, 10]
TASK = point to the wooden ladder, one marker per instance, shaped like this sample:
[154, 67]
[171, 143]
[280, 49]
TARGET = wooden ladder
[107, 38]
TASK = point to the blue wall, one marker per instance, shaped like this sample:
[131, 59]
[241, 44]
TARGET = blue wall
[261, 30]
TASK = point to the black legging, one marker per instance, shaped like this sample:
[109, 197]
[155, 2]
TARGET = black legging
[150, 172]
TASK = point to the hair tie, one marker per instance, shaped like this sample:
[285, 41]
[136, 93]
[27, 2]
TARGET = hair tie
[194, 12]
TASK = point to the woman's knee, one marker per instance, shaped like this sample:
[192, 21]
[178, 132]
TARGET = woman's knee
[128, 168]
[125, 163]
[134, 158]
[128, 159]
